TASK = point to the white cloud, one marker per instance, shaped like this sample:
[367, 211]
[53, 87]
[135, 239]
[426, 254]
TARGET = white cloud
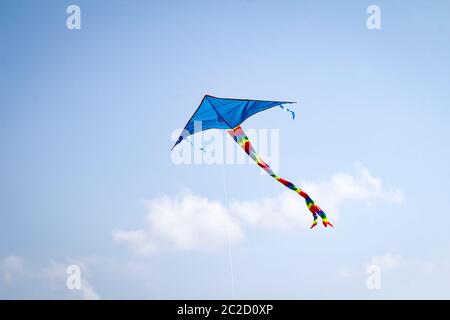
[11, 267]
[186, 222]
[191, 222]
[49, 278]
[56, 275]
[88, 292]
[386, 262]
[283, 212]
[288, 211]
[390, 262]
[361, 186]
[345, 272]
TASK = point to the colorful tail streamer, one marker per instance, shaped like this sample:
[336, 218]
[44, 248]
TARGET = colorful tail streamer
[241, 138]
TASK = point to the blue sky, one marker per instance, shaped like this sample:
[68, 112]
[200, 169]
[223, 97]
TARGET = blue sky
[86, 118]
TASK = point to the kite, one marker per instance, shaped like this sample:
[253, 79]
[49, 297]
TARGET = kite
[228, 114]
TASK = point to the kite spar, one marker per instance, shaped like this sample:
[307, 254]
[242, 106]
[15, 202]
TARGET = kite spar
[228, 114]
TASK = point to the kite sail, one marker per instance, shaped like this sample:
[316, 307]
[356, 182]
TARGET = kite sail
[228, 114]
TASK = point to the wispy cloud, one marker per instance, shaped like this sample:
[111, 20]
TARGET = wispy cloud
[11, 267]
[186, 222]
[386, 262]
[286, 211]
[56, 275]
[50, 278]
[191, 222]
[360, 186]
[392, 262]
[345, 272]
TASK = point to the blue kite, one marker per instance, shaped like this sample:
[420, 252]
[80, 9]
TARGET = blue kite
[228, 114]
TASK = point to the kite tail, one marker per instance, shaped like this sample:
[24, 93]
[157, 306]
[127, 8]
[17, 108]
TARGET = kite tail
[241, 138]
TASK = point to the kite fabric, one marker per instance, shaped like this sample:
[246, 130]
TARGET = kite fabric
[221, 113]
[224, 113]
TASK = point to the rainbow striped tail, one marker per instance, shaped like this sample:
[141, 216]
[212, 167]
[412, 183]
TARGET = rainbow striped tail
[315, 210]
[241, 138]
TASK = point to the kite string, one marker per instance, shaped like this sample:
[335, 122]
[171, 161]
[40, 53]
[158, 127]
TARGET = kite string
[193, 146]
[230, 256]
